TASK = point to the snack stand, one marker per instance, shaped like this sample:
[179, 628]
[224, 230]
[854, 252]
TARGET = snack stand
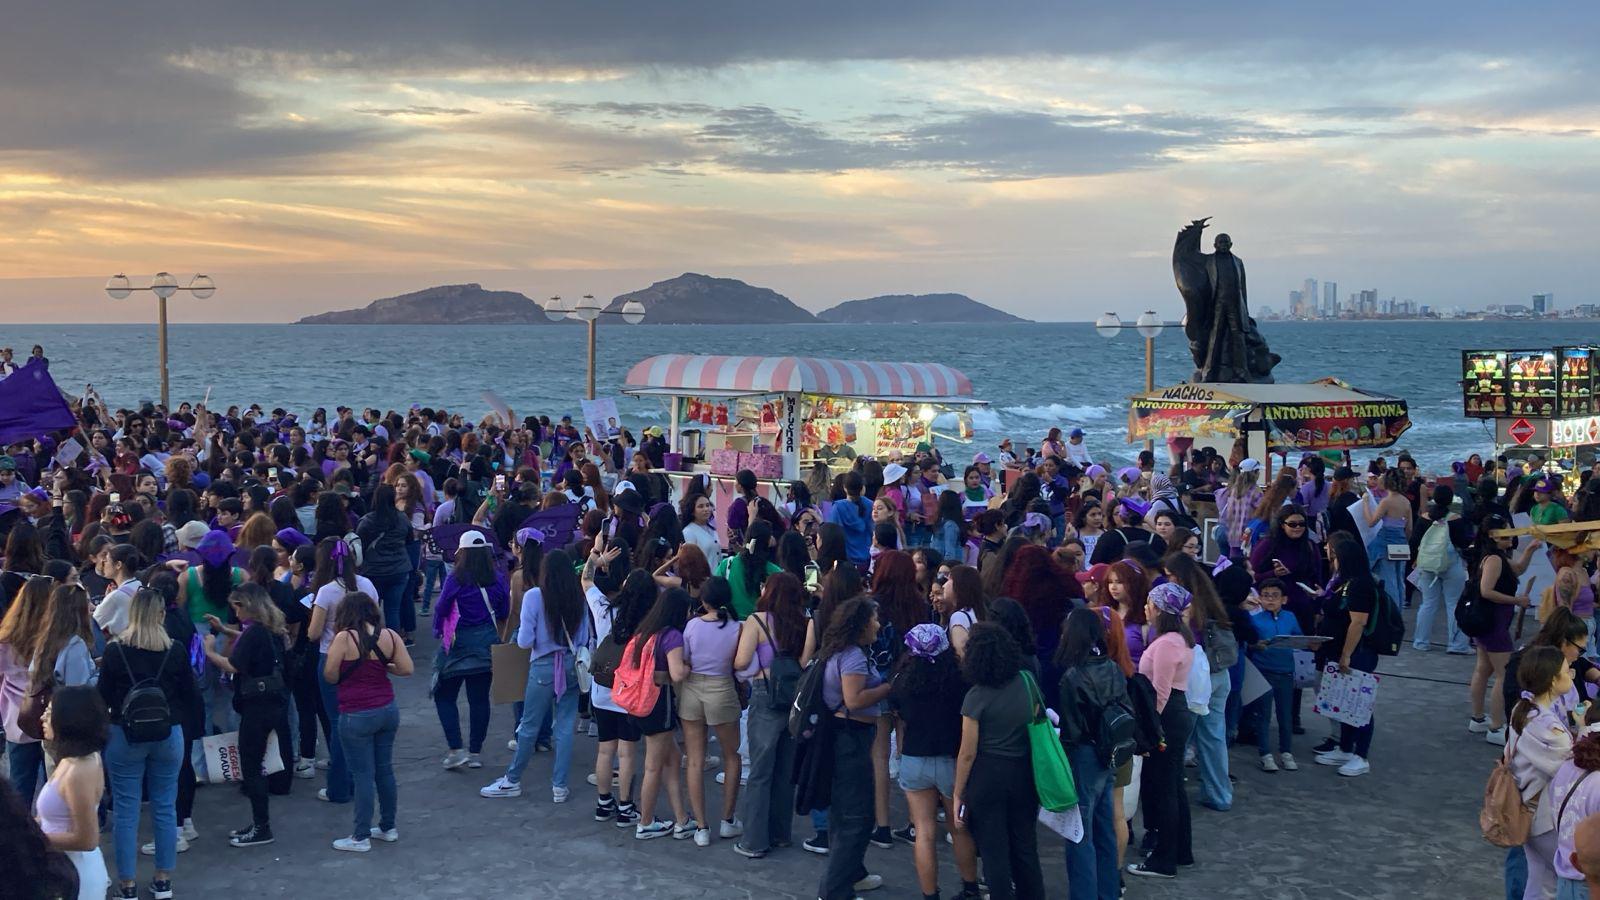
[778, 415]
[1272, 418]
[1540, 400]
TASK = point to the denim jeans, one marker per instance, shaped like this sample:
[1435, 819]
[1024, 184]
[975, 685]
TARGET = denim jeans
[391, 597]
[768, 796]
[1571, 889]
[1516, 873]
[1235, 708]
[1211, 746]
[133, 768]
[1391, 572]
[444, 701]
[1092, 862]
[433, 572]
[25, 762]
[1280, 700]
[1439, 593]
[540, 699]
[339, 786]
[368, 738]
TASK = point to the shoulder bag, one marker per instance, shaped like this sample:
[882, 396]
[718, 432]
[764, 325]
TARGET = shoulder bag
[1052, 777]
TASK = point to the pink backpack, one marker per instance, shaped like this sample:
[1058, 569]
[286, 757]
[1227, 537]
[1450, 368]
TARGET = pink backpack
[634, 685]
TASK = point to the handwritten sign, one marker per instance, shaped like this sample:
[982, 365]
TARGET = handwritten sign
[1347, 698]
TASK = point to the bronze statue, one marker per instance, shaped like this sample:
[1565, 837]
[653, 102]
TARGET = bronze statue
[1222, 336]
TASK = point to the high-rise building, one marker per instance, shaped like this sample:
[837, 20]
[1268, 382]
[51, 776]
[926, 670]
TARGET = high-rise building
[1543, 303]
[1369, 302]
[1308, 296]
[1330, 298]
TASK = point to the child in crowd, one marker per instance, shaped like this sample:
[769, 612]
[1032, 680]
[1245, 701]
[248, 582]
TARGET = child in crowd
[1277, 667]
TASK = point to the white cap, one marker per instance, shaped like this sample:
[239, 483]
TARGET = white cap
[893, 472]
[1249, 465]
[472, 539]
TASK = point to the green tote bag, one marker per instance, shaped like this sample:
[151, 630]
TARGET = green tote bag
[1052, 777]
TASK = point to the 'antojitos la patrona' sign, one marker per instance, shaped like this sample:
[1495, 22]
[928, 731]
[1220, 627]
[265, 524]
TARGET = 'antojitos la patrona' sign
[1322, 415]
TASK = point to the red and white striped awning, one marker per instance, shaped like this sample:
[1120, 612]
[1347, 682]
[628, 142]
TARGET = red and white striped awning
[798, 374]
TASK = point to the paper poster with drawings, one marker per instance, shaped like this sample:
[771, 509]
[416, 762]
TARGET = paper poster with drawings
[601, 417]
[1347, 698]
[1305, 669]
[1068, 824]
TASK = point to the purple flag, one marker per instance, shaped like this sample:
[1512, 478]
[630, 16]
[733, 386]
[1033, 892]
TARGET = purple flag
[31, 405]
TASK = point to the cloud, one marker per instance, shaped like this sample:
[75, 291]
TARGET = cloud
[416, 111]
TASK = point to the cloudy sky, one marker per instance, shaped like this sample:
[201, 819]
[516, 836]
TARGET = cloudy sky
[1037, 156]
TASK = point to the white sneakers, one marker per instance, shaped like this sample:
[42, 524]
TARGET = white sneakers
[744, 777]
[731, 828]
[559, 794]
[455, 759]
[1478, 724]
[1350, 765]
[1268, 764]
[1496, 736]
[702, 837]
[351, 845]
[1286, 760]
[388, 837]
[305, 768]
[502, 787]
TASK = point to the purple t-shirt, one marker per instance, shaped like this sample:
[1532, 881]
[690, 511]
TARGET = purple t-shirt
[667, 641]
[851, 661]
[709, 646]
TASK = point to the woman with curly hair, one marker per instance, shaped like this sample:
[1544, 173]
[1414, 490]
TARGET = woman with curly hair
[854, 690]
[994, 774]
[927, 694]
[1576, 797]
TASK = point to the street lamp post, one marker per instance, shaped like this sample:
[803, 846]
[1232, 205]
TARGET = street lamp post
[588, 311]
[1149, 326]
[163, 285]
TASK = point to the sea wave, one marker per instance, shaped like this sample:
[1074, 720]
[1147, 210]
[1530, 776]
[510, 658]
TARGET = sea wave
[1059, 413]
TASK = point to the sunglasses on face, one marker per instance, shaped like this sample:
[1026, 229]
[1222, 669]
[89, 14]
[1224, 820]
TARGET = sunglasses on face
[1295, 523]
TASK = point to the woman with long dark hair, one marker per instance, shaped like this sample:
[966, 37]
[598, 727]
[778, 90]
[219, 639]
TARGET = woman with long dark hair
[1542, 743]
[385, 534]
[360, 660]
[661, 633]
[708, 700]
[1495, 574]
[962, 604]
[1213, 630]
[832, 548]
[1092, 685]
[1389, 514]
[927, 694]
[1166, 662]
[615, 618]
[695, 512]
[1288, 554]
[472, 603]
[747, 570]
[1047, 592]
[853, 690]
[335, 577]
[554, 623]
[1349, 600]
[994, 772]
[771, 641]
[76, 729]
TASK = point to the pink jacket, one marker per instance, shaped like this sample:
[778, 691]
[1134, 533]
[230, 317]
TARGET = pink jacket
[1166, 662]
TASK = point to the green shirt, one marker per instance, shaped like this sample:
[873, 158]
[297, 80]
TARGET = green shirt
[200, 605]
[744, 601]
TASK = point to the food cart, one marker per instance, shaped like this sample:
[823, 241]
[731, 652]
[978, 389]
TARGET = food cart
[1272, 418]
[779, 415]
[1542, 401]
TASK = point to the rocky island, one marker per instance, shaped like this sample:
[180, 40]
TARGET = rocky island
[693, 299]
[447, 304]
[905, 309]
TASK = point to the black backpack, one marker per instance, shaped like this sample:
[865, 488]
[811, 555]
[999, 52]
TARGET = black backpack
[1147, 734]
[1474, 614]
[605, 659]
[783, 675]
[809, 709]
[146, 715]
[1114, 741]
[1386, 627]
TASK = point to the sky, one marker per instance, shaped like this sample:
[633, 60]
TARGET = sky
[1036, 156]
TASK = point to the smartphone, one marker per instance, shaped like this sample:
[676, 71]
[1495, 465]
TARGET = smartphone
[813, 576]
[116, 497]
[500, 482]
[272, 476]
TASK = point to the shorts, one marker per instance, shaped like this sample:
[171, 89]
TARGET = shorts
[711, 699]
[1124, 775]
[615, 726]
[928, 773]
[663, 716]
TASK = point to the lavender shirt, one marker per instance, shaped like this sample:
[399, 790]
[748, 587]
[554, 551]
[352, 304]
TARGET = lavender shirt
[709, 646]
[1584, 802]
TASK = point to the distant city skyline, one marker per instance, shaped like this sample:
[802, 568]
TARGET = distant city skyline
[1036, 157]
[1365, 304]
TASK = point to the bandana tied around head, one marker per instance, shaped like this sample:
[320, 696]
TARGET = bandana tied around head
[1036, 522]
[927, 641]
[1170, 598]
[341, 552]
[524, 535]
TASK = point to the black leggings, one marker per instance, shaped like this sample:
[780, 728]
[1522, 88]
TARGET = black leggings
[257, 720]
[185, 785]
[1162, 793]
[308, 705]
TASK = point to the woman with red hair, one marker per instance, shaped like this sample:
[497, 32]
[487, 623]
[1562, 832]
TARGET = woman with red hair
[1126, 587]
[1047, 592]
[901, 607]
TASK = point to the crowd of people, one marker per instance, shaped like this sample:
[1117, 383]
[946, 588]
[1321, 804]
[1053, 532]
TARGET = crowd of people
[896, 625]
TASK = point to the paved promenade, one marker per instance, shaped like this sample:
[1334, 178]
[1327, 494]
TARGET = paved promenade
[1407, 830]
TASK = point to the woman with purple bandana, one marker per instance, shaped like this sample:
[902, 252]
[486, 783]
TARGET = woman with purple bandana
[927, 694]
[1166, 662]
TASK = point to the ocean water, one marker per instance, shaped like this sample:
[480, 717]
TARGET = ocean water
[1033, 375]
